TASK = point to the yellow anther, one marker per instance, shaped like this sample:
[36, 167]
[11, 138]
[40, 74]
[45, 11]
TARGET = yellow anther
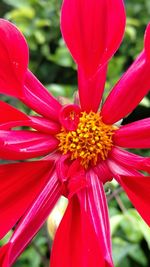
[82, 154]
[94, 128]
[91, 140]
[73, 145]
[74, 133]
[85, 130]
[76, 140]
[86, 135]
[99, 145]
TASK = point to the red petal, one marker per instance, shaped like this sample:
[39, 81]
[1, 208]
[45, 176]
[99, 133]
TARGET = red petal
[134, 135]
[91, 89]
[119, 169]
[31, 222]
[39, 99]
[71, 175]
[39, 123]
[136, 186]
[138, 190]
[103, 172]
[147, 41]
[69, 116]
[13, 58]
[92, 30]
[130, 160]
[98, 212]
[9, 114]
[130, 89]
[43, 125]
[20, 184]
[3, 250]
[86, 228]
[75, 243]
[11, 117]
[17, 145]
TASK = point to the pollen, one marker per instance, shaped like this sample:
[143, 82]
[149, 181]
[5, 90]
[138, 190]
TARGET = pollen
[91, 141]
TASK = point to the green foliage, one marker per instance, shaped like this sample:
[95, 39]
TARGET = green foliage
[128, 231]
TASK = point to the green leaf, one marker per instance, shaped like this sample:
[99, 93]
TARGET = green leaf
[61, 90]
[39, 37]
[16, 3]
[121, 250]
[144, 228]
[115, 222]
[21, 13]
[6, 238]
[138, 255]
[62, 56]
[139, 225]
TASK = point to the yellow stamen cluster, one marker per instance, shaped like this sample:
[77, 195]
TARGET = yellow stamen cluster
[91, 139]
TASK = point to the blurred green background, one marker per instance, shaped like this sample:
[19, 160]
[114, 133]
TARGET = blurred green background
[51, 62]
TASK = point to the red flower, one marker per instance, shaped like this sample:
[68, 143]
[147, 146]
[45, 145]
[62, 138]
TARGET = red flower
[83, 145]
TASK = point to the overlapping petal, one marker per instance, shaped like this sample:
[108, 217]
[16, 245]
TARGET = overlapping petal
[136, 185]
[102, 171]
[129, 159]
[14, 74]
[119, 169]
[12, 117]
[20, 185]
[134, 135]
[98, 212]
[17, 145]
[72, 176]
[31, 222]
[44, 125]
[39, 99]
[79, 245]
[130, 89]
[86, 217]
[13, 58]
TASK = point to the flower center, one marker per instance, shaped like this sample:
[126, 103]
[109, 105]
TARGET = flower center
[91, 140]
